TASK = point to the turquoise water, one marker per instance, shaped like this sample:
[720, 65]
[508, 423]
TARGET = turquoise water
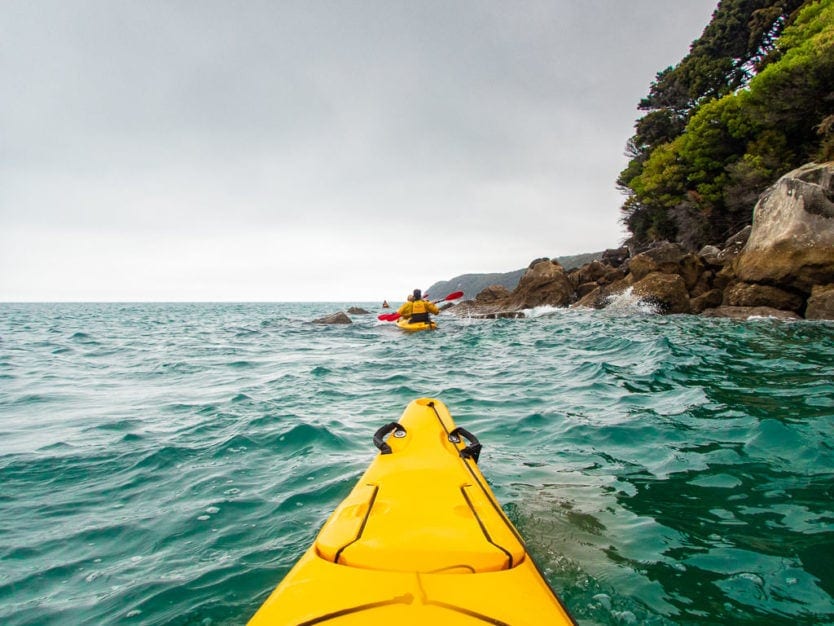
[167, 463]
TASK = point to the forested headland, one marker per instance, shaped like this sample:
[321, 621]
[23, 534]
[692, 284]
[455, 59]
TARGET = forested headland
[752, 100]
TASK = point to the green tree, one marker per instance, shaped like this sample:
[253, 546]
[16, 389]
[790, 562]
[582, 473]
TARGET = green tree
[753, 99]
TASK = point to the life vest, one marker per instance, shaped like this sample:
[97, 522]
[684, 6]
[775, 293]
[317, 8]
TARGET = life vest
[419, 312]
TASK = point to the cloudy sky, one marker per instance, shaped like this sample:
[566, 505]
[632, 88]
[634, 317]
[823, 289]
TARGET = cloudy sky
[244, 150]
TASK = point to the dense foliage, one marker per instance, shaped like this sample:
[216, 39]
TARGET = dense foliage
[752, 100]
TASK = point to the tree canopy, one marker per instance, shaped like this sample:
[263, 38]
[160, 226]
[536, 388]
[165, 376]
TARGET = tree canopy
[752, 100]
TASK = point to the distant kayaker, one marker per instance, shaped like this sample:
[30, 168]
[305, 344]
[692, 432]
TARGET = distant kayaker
[417, 309]
[385, 304]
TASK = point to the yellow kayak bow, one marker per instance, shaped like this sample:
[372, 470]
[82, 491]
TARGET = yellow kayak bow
[420, 540]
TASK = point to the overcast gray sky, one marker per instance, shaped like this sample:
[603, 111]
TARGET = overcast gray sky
[310, 150]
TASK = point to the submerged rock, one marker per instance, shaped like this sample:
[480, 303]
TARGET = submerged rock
[356, 310]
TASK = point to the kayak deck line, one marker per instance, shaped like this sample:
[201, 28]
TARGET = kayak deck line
[420, 538]
[362, 526]
[404, 599]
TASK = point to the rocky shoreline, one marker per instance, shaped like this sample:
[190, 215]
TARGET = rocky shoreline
[781, 266]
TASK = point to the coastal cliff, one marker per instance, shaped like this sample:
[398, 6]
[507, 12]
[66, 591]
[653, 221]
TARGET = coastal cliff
[780, 266]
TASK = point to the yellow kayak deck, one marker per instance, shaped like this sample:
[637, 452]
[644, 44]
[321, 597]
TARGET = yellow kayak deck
[407, 326]
[421, 537]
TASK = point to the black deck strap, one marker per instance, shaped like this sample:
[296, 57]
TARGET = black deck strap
[473, 450]
[379, 436]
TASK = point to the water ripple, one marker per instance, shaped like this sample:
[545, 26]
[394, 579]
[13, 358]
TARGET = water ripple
[172, 461]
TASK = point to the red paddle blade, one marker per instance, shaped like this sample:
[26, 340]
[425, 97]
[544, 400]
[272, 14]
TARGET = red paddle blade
[452, 296]
[388, 317]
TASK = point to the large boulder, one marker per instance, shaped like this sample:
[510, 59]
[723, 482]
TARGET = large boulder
[668, 291]
[493, 294]
[589, 273]
[691, 268]
[746, 294]
[791, 243]
[746, 312]
[664, 257]
[708, 300]
[544, 283]
[821, 303]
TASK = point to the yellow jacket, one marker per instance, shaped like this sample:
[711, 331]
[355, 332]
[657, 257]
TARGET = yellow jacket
[410, 308]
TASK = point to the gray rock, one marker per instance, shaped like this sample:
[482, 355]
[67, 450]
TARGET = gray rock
[791, 243]
[334, 318]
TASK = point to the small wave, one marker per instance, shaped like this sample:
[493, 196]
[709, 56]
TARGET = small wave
[328, 491]
[181, 367]
[40, 398]
[392, 378]
[118, 425]
[307, 434]
[59, 446]
[83, 338]
[163, 458]
[235, 445]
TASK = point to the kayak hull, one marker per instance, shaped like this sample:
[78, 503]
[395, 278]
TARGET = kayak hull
[409, 327]
[421, 537]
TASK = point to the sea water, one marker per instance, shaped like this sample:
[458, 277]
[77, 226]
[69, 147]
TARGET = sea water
[168, 463]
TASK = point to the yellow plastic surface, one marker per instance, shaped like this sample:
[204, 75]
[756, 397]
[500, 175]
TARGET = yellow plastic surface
[417, 326]
[420, 540]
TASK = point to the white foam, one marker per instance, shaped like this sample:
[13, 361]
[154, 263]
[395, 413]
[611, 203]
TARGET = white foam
[626, 303]
[541, 311]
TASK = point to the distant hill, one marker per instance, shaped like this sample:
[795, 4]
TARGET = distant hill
[472, 284]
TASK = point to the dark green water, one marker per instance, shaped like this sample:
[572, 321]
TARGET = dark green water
[167, 464]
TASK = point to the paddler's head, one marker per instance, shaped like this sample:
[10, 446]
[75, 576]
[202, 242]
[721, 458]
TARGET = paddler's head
[418, 295]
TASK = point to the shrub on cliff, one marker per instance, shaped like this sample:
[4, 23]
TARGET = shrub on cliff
[749, 103]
